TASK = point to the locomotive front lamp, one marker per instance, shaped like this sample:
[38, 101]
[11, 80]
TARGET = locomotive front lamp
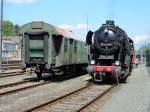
[92, 62]
[117, 63]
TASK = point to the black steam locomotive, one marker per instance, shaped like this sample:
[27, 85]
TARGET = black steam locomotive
[111, 53]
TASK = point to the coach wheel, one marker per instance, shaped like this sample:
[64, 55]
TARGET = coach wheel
[39, 75]
[53, 74]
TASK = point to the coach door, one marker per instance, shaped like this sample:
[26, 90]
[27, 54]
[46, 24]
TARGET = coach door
[71, 51]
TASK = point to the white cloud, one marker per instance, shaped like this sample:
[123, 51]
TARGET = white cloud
[80, 26]
[140, 40]
[66, 27]
[20, 1]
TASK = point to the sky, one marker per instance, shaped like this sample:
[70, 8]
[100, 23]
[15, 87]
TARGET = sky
[131, 15]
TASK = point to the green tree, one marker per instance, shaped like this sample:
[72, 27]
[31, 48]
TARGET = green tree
[16, 28]
[146, 50]
[8, 28]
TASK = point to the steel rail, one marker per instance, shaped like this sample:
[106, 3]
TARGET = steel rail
[14, 84]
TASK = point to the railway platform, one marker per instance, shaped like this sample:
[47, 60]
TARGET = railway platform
[133, 96]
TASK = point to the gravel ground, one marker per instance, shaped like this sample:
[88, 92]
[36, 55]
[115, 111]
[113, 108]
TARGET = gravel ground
[133, 96]
[23, 100]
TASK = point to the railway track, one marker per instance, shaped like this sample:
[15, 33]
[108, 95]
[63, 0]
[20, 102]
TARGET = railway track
[11, 62]
[33, 79]
[74, 101]
[11, 65]
[9, 74]
[19, 86]
[13, 84]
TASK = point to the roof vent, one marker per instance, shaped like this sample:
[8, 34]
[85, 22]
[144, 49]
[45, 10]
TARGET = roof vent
[37, 25]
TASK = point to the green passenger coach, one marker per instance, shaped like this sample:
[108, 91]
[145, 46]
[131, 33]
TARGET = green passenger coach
[49, 49]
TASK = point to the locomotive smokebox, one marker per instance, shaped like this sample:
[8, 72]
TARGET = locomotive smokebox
[110, 22]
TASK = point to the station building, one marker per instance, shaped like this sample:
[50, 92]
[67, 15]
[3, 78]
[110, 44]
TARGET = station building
[11, 47]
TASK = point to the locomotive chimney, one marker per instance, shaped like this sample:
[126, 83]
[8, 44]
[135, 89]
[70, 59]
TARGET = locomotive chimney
[110, 22]
[103, 24]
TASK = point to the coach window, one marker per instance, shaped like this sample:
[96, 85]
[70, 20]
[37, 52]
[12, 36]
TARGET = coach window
[75, 47]
[65, 45]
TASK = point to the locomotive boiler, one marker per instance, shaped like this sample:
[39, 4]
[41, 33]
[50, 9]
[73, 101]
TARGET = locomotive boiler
[111, 53]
